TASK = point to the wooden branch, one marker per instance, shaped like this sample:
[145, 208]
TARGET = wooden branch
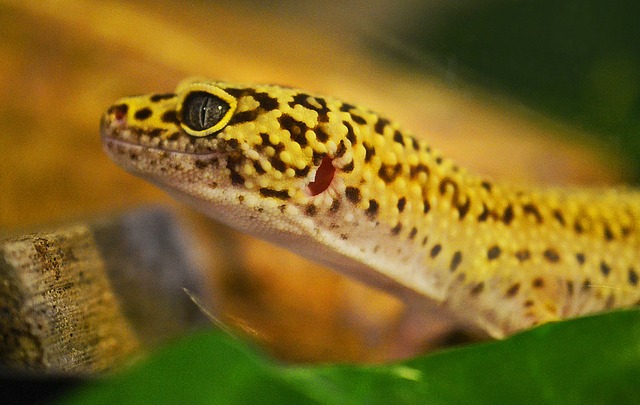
[84, 298]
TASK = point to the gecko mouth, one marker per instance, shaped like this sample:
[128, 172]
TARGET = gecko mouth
[115, 130]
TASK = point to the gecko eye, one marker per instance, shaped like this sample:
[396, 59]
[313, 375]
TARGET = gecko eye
[205, 109]
[202, 111]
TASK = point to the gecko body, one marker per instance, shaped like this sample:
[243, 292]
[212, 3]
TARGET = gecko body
[349, 188]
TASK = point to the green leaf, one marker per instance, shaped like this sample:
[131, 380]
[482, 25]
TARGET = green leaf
[589, 360]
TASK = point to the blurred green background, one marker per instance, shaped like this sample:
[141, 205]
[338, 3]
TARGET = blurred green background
[574, 60]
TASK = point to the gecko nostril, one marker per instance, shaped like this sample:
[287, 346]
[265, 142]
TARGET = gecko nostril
[119, 111]
[324, 176]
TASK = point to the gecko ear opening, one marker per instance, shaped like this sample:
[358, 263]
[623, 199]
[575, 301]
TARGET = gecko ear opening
[324, 176]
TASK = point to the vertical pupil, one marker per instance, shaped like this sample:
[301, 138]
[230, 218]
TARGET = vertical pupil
[203, 110]
[211, 112]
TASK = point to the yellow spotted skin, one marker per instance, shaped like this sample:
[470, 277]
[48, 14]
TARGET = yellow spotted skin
[395, 212]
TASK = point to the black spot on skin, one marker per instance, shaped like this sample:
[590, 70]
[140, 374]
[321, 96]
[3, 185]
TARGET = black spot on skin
[266, 102]
[201, 164]
[346, 107]
[302, 172]
[580, 225]
[605, 269]
[570, 287]
[528, 303]
[586, 284]
[353, 194]
[484, 215]
[265, 139]
[494, 252]
[633, 277]
[278, 164]
[456, 259]
[448, 182]
[577, 226]
[380, 124]
[551, 255]
[425, 240]
[318, 158]
[335, 206]
[477, 289]
[351, 136]
[323, 106]
[244, 116]
[321, 136]
[296, 128]
[344, 236]
[396, 229]
[280, 194]
[159, 131]
[557, 214]
[523, 255]
[143, 113]
[537, 282]
[413, 233]
[608, 234]
[463, 209]
[258, 167]
[232, 143]
[358, 119]
[170, 117]
[507, 216]
[237, 93]
[513, 290]
[486, 185]
[435, 250]
[304, 100]
[580, 258]
[389, 173]
[426, 206]
[369, 152]
[419, 168]
[348, 168]
[532, 210]
[342, 149]
[401, 204]
[310, 210]
[415, 144]
[372, 211]
[157, 97]
[397, 137]
[236, 178]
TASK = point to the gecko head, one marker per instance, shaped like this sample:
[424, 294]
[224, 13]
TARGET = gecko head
[243, 154]
[329, 180]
